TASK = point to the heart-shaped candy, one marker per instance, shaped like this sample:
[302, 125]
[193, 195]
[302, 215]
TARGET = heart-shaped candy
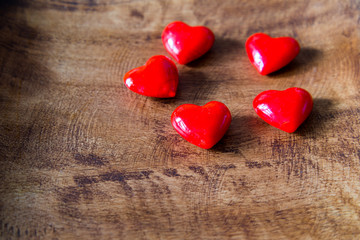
[269, 54]
[186, 43]
[159, 78]
[202, 126]
[285, 110]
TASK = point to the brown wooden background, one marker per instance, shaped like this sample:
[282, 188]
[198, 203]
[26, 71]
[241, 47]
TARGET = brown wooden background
[82, 157]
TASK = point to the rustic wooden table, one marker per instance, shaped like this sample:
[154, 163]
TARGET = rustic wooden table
[82, 157]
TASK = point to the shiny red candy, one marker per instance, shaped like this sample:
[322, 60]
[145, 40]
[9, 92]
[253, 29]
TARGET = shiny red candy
[157, 78]
[269, 54]
[185, 43]
[285, 110]
[202, 126]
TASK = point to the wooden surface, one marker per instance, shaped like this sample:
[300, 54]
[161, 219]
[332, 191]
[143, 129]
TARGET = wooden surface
[82, 157]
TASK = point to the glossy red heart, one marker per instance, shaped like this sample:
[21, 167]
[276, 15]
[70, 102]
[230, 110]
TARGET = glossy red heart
[269, 54]
[185, 43]
[159, 78]
[285, 110]
[202, 126]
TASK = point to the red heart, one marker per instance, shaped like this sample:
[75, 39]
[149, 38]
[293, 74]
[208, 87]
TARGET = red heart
[202, 126]
[185, 43]
[286, 109]
[157, 78]
[269, 54]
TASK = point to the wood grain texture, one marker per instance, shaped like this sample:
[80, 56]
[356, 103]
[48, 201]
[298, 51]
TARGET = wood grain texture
[82, 157]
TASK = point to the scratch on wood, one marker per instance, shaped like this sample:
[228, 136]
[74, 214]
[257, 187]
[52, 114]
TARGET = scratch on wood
[255, 164]
[90, 160]
[197, 169]
[171, 172]
[84, 180]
